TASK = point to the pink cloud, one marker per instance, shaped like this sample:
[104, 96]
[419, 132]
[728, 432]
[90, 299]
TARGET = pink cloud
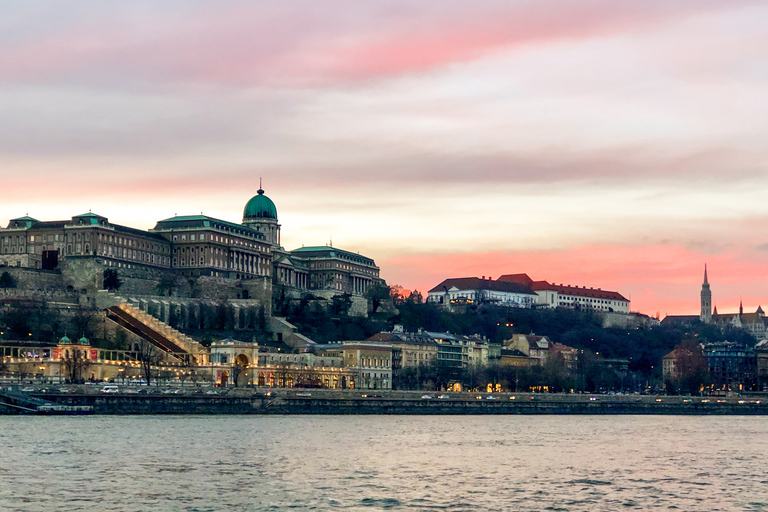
[299, 44]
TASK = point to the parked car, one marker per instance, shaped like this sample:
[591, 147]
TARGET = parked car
[110, 389]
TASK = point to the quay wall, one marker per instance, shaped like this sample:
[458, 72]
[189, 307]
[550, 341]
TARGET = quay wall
[245, 401]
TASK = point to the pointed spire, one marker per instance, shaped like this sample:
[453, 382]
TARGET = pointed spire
[705, 274]
[715, 311]
[261, 190]
[741, 307]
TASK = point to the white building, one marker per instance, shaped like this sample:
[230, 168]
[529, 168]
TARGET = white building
[560, 295]
[475, 291]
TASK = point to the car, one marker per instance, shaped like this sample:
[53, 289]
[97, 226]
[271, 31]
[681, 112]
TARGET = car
[28, 390]
[491, 398]
[427, 397]
[370, 395]
[512, 397]
[211, 392]
[110, 389]
[304, 393]
[592, 399]
[443, 397]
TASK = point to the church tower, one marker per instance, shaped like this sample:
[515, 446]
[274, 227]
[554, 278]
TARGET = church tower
[706, 300]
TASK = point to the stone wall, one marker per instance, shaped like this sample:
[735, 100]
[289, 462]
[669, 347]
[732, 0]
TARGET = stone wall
[82, 279]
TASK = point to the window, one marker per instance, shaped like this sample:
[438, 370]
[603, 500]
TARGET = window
[202, 236]
[183, 237]
[192, 237]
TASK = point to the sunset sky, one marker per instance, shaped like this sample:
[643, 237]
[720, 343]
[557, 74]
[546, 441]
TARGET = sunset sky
[614, 144]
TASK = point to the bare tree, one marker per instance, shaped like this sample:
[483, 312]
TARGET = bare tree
[83, 322]
[148, 357]
[75, 363]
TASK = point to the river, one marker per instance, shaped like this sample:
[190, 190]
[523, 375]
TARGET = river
[370, 463]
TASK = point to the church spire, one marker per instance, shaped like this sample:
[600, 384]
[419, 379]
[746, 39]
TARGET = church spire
[741, 307]
[706, 300]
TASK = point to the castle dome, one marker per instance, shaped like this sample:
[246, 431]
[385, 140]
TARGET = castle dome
[260, 207]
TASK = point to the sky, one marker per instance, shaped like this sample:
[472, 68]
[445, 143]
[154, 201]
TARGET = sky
[619, 145]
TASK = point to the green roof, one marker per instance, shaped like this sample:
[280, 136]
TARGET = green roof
[260, 207]
[327, 251]
[197, 221]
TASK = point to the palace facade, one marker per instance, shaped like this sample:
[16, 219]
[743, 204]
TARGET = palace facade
[190, 246]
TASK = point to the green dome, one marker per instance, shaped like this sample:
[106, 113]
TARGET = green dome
[64, 340]
[84, 341]
[260, 207]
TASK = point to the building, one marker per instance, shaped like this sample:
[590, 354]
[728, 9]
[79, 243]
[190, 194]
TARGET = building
[754, 323]
[370, 363]
[415, 349]
[761, 364]
[191, 246]
[250, 364]
[732, 367]
[474, 291]
[560, 295]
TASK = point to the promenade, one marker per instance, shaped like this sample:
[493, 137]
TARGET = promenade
[151, 400]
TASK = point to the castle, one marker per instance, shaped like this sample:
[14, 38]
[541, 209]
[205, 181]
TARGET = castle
[754, 323]
[244, 257]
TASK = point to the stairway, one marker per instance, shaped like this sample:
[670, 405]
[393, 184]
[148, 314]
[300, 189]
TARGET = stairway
[160, 334]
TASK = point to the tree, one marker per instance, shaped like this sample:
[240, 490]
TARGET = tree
[148, 357]
[341, 304]
[415, 297]
[7, 280]
[167, 285]
[691, 368]
[75, 363]
[376, 294]
[398, 294]
[112, 280]
[83, 322]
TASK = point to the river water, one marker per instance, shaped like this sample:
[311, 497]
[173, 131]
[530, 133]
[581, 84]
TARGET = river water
[370, 463]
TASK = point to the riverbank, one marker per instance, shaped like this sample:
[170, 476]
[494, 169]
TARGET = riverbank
[293, 401]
